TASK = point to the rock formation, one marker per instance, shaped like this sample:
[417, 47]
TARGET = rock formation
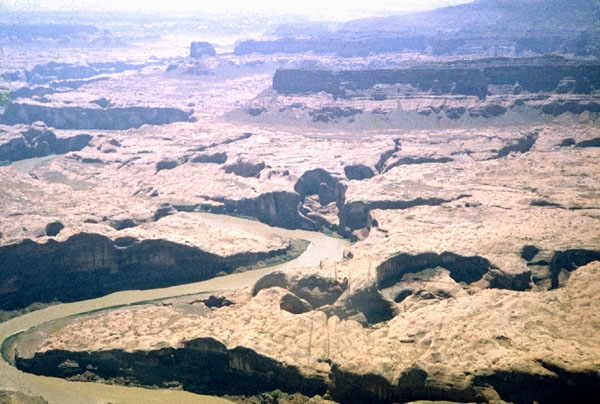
[71, 266]
[91, 118]
[468, 78]
[497, 27]
[433, 352]
[468, 186]
[38, 141]
[199, 49]
[245, 168]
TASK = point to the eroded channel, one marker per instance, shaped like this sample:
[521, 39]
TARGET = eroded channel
[61, 391]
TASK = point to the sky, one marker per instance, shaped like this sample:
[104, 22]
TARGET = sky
[316, 9]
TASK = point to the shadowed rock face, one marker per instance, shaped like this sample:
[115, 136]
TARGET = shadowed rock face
[52, 229]
[40, 142]
[358, 172]
[166, 165]
[462, 269]
[529, 252]
[199, 49]
[202, 365]
[319, 201]
[92, 118]
[206, 366]
[318, 291]
[415, 383]
[245, 168]
[91, 265]
[366, 305]
[320, 182]
[469, 78]
[569, 261]
[293, 304]
[558, 107]
[288, 209]
[278, 208]
[371, 388]
[412, 348]
[215, 158]
[418, 160]
[355, 215]
[589, 143]
[560, 386]
[216, 302]
[522, 145]
[327, 114]
[274, 208]
[472, 269]
[65, 71]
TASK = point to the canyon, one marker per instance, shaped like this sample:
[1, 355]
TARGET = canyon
[278, 221]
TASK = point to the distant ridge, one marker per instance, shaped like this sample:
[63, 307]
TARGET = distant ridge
[482, 27]
[493, 16]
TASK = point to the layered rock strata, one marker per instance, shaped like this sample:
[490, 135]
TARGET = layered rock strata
[545, 74]
[67, 117]
[488, 346]
[71, 264]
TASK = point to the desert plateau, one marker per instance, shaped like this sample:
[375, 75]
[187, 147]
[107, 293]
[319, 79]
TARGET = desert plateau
[270, 208]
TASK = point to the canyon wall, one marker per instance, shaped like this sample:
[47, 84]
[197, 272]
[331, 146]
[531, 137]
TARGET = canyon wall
[40, 142]
[90, 265]
[206, 366]
[92, 118]
[543, 74]
[202, 365]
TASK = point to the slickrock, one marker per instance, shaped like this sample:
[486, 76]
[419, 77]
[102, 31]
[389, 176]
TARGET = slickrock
[492, 346]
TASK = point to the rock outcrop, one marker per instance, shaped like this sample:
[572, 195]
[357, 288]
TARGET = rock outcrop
[202, 365]
[199, 49]
[52, 229]
[358, 172]
[38, 141]
[316, 290]
[215, 158]
[354, 215]
[92, 118]
[279, 208]
[88, 265]
[245, 168]
[322, 183]
[468, 78]
[487, 346]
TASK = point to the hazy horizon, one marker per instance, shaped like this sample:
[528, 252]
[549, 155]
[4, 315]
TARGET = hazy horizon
[336, 10]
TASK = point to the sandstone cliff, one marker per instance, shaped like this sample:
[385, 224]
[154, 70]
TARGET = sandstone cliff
[87, 118]
[469, 78]
[488, 346]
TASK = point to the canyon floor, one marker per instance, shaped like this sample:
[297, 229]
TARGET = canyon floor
[472, 275]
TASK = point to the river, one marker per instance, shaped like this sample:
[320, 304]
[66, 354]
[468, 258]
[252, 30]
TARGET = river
[60, 391]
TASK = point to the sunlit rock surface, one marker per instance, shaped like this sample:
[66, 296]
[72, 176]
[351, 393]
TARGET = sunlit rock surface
[469, 191]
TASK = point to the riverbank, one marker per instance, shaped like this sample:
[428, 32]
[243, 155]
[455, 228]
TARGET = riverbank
[65, 392]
